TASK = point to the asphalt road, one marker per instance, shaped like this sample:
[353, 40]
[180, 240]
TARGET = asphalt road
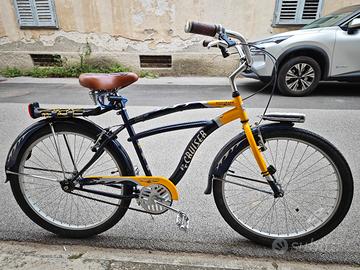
[329, 113]
[329, 95]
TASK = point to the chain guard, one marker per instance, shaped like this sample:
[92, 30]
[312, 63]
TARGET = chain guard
[151, 194]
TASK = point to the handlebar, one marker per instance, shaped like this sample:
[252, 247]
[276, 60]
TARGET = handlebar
[213, 30]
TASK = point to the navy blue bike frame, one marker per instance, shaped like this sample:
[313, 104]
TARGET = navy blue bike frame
[206, 128]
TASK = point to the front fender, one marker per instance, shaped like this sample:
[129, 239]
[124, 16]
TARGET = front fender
[238, 139]
[24, 136]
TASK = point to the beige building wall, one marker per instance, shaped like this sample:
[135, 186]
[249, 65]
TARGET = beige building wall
[121, 30]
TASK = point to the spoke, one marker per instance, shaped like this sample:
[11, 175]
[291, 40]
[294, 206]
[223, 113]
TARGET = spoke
[50, 157]
[256, 207]
[104, 170]
[255, 171]
[93, 167]
[69, 150]
[245, 186]
[40, 164]
[47, 148]
[306, 217]
[297, 177]
[291, 214]
[57, 147]
[34, 176]
[48, 194]
[313, 202]
[292, 85]
[286, 218]
[45, 170]
[291, 159]
[309, 72]
[80, 148]
[316, 180]
[299, 163]
[291, 74]
[58, 206]
[246, 167]
[272, 156]
[84, 152]
[37, 184]
[282, 162]
[266, 214]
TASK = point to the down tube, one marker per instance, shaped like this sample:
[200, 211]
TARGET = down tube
[191, 149]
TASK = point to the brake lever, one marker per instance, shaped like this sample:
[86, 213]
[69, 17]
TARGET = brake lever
[221, 44]
[217, 43]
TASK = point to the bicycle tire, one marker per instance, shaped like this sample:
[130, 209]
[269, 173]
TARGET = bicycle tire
[229, 154]
[40, 216]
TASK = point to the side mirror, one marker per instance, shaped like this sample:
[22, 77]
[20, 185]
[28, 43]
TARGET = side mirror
[354, 24]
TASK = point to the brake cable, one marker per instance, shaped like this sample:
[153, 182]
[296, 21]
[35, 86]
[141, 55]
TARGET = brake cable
[273, 76]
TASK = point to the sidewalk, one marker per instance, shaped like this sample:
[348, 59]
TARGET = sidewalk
[21, 255]
[141, 81]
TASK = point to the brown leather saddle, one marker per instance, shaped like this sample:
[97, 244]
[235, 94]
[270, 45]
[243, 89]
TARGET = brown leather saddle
[107, 82]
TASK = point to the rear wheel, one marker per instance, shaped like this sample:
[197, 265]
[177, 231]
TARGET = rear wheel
[299, 76]
[316, 180]
[41, 196]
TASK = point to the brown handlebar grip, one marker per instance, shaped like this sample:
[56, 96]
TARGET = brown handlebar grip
[201, 28]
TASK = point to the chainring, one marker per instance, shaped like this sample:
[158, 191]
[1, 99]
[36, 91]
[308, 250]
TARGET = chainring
[151, 194]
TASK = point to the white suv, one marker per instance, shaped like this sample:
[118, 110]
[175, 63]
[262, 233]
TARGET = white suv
[326, 49]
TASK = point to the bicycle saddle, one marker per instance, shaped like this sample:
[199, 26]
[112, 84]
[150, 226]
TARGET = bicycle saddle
[107, 81]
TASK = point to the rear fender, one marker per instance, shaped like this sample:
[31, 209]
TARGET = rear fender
[236, 140]
[21, 140]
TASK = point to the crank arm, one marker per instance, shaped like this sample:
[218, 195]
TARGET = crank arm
[35, 176]
[182, 220]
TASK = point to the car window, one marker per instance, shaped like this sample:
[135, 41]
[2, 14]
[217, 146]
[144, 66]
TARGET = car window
[327, 21]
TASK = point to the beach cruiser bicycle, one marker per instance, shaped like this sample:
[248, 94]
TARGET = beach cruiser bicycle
[272, 181]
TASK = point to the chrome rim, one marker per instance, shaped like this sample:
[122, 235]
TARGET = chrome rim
[47, 198]
[311, 183]
[300, 77]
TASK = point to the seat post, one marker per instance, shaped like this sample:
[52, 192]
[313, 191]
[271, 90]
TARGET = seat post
[135, 142]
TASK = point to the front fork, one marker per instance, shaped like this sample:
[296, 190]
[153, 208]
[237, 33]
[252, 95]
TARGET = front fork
[267, 171]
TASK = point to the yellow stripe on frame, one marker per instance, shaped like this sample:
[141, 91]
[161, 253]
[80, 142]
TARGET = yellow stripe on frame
[221, 103]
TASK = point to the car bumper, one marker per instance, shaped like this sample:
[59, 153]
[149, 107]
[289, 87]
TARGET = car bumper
[261, 68]
[253, 75]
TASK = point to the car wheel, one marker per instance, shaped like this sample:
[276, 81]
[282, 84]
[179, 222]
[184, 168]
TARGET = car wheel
[299, 76]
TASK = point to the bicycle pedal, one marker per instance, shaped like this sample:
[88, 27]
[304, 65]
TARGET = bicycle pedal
[182, 221]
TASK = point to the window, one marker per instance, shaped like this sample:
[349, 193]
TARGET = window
[36, 13]
[296, 12]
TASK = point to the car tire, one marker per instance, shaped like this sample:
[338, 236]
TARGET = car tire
[299, 76]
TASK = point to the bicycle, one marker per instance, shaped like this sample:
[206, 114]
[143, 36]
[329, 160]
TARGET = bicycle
[272, 181]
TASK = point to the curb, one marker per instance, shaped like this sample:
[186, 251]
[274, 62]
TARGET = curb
[31, 256]
[219, 81]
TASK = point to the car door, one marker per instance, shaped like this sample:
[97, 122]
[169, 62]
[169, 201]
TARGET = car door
[346, 56]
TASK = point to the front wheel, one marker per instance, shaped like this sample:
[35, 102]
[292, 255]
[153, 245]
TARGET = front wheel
[315, 178]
